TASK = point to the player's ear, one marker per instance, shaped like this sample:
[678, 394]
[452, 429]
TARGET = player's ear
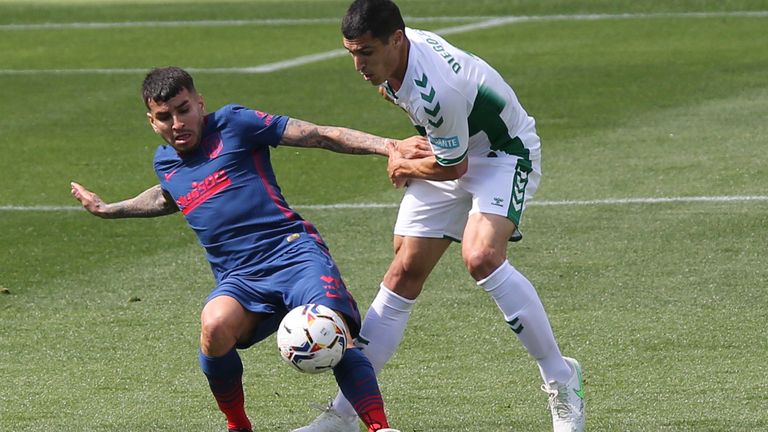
[152, 123]
[397, 37]
[201, 101]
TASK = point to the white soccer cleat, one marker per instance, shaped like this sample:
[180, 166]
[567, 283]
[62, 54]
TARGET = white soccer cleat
[566, 401]
[331, 420]
[388, 430]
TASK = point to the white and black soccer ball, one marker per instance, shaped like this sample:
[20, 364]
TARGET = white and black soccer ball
[312, 338]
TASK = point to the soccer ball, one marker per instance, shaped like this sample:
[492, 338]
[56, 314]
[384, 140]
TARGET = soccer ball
[312, 338]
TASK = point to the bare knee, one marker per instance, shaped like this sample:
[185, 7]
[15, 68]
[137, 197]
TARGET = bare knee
[223, 323]
[415, 257]
[481, 262]
[215, 337]
[405, 276]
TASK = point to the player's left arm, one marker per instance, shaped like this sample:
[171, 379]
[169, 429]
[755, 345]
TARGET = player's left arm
[299, 133]
[401, 169]
[447, 132]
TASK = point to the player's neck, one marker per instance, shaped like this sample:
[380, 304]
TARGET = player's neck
[396, 80]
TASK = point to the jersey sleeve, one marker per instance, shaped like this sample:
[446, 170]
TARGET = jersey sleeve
[446, 125]
[255, 128]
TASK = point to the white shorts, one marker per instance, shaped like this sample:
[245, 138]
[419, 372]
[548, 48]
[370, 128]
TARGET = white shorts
[493, 185]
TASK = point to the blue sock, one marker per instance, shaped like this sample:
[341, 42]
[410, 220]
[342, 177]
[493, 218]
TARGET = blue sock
[225, 377]
[357, 382]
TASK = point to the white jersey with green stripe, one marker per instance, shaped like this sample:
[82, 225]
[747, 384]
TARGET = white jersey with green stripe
[462, 104]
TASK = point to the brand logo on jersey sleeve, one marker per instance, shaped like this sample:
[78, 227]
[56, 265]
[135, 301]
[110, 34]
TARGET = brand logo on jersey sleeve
[444, 143]
[203, 190]
[168, 175]
[267, 118]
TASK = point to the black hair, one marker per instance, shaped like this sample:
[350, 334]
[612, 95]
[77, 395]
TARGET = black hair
[162, 84]
[379, 17]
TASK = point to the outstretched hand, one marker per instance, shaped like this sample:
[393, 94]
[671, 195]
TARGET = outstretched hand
[90, 201]
[415, 147]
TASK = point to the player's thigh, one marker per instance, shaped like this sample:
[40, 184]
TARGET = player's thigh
[485, 243]
[500, 188]
[501, 185]
[433, 209]
[414, 260]
[314, 277]
[303, 273]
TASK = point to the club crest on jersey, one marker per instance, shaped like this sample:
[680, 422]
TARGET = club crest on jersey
[202, 190]
[213, 146]
[444, 143]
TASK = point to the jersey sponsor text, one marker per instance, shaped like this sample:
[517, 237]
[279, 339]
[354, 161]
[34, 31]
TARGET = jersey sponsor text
[203, 190]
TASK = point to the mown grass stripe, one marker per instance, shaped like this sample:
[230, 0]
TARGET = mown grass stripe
[561, 203]
[486, 23]
[335, 20]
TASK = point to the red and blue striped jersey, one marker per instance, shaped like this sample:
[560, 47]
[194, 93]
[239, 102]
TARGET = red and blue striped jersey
[227, 191]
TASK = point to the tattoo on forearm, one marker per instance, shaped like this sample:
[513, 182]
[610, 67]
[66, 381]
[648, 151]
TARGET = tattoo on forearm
[150, 203]
[342, 140]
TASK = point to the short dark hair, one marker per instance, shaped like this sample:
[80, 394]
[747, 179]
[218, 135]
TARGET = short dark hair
[162, 84]
[379, 17]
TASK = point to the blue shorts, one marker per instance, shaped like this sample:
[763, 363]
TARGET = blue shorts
[303, 273]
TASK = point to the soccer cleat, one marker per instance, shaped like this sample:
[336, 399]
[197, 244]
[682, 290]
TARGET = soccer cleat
[516, 236]
[566, 401]
[388, 430]
[240, 430]
[331, 420]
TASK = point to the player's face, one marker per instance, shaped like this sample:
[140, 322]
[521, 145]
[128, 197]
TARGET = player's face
[179, 120]
[375, 60]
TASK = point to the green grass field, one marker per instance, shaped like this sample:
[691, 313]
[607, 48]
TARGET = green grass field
[664, 303]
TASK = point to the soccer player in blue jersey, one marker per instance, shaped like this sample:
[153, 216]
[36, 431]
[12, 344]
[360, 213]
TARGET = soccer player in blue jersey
[266, 259]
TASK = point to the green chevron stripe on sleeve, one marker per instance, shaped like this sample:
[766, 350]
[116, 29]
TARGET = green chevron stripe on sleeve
[429, 97]
[450, 162]
[436, 124]
[433, 112]
[423, 82]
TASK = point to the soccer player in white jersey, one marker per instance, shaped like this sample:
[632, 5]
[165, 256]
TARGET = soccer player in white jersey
[485, 168]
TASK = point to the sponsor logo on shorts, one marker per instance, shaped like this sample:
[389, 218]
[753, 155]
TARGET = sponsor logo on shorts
[331, 285]
[445, 143]
[498, 202]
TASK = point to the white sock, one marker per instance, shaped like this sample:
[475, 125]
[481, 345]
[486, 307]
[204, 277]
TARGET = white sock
[381, 333]
[522, 309]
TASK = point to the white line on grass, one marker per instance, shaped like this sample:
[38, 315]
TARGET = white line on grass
[487, 22]
[265, 68]
[309, 21]
[562, 203]
[268, 22]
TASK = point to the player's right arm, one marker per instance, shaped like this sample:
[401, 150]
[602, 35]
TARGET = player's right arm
[152, 202]
[300, 133]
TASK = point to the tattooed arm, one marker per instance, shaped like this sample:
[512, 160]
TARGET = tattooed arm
[150, 203]
[299, 133]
